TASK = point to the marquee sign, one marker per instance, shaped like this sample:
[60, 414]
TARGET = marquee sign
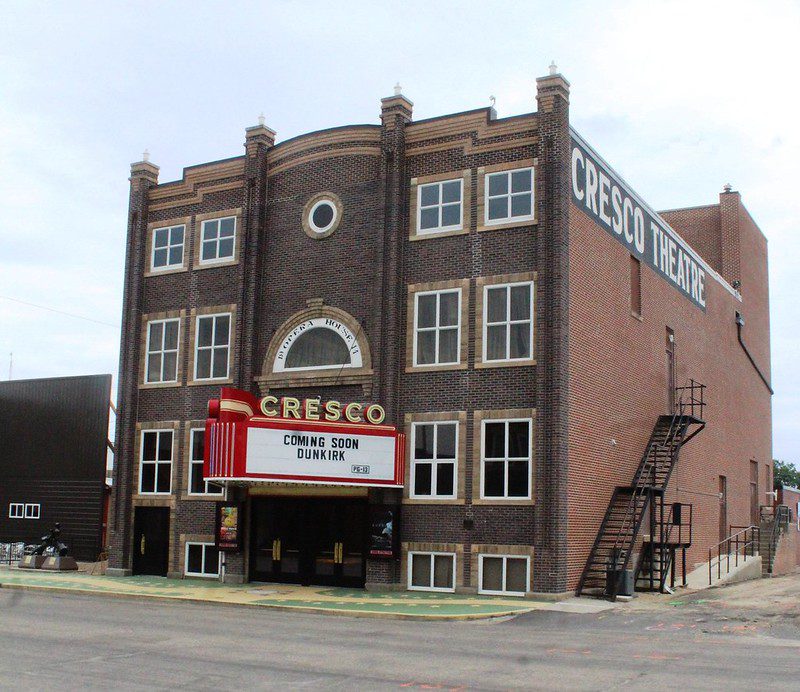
[295, 441]
[602, 194]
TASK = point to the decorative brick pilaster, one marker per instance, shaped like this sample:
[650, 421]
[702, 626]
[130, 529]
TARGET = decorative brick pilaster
[552, 334]
[144, 175]
[730, 205]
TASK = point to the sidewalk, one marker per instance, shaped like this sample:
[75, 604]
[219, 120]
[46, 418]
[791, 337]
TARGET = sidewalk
[316, 599]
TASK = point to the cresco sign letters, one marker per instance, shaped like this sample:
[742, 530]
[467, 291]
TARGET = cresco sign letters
[602, 194]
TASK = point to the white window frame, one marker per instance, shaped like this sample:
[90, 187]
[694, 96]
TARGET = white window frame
[204, 575]
[508, 195]
[169, 246]
[440, 229]
[156, 463]
[33, 510]
[507, 322]
[16, 510]
[430, 555]
[437, 327]
[192, 464]
[328, 203]
[161, 350]
[505, 559]
[198, 348]
[217, 259]
[433, 462]
[506, 458]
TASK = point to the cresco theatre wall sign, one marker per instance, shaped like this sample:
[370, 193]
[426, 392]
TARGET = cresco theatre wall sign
[306, 441]
[602, 194]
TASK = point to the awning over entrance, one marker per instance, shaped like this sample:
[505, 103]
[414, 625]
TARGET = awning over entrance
[300, 442]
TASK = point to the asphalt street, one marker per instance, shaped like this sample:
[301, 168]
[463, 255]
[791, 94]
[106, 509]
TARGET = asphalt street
[71, 641]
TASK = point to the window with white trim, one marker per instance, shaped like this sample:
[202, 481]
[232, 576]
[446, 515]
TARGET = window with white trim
[509, 196]
[155, 462]
[508, 322]
[507, 575]
[218, 238]
[202, 560]
[197, 484]
[212, 346]
[167, 248]
[433, 460]
[506, 458]
[162, 350]
[439, 206]
[33, 510]
[431, 571]
[437, 327]
[16, 510]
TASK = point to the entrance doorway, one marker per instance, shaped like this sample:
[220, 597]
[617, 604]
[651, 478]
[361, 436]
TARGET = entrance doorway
[309, 541]
[151, 540]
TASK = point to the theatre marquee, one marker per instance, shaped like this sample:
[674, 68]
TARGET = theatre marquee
[300, 442]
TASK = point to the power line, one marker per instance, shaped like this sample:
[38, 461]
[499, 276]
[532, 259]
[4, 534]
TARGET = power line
[60, 312]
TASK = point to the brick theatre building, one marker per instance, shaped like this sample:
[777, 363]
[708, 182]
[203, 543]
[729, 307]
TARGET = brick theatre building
[456, 354]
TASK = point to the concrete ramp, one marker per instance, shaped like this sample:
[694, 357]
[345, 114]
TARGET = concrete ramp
[729, 571]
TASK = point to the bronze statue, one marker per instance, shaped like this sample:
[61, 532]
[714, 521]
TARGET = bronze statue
[51, 540]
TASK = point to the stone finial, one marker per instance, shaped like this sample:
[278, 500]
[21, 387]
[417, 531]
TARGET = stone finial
[261, 119]
[145, 155]
[553, 67]
[727, 187]
[398, 90]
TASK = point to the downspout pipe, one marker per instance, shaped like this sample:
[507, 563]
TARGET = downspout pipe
[739, 325]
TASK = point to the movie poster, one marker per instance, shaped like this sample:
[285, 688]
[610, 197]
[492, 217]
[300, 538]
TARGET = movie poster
[229, 532]
[384, 531]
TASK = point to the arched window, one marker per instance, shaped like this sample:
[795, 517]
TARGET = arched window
[318, 343]
[318, 347]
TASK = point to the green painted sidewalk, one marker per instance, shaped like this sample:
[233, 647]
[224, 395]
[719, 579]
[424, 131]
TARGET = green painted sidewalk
[353, 602]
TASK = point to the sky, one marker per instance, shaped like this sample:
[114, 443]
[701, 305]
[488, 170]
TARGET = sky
[680, 97]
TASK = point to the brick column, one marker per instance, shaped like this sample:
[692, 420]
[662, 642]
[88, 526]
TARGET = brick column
[389, 343]
[730, 203]
[144, 175]
[552, 333]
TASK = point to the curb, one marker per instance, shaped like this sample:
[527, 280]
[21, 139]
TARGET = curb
[285, 608]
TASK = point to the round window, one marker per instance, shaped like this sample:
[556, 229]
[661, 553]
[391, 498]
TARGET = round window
[322, 215]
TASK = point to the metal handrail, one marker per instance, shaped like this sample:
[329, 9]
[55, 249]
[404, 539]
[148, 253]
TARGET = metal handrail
[695, 403]
[780, 523]
[734, 541]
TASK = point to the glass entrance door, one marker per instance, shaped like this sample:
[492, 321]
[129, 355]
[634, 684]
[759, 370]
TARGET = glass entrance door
[309, 541]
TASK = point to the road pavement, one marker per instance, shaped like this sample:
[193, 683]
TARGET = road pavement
[739, 639]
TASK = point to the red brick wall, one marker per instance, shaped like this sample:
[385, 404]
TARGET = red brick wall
[790, 498]
[699, 226]
[618, 384]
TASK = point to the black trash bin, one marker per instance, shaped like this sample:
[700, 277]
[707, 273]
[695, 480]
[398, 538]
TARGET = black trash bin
[623, 577]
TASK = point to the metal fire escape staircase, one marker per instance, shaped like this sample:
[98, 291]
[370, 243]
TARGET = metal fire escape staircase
[613, 549]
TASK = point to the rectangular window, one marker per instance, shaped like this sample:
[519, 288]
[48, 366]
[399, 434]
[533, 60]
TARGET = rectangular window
[440, 206]
[218, 240]
[503, 574]
[33, 511]
[155, 467]
[202, 560]
[212, 348]
[508, 322]
[16, 510]
[636, 286]
[437, 327]
[431, 571]
[197, 484]
[433, 462]
[506, 458]
[162, 350]
[509, 196]
[167, 248]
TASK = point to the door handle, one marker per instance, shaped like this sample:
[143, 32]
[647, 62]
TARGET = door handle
[338, 553]
[276, 549]
[141, 546]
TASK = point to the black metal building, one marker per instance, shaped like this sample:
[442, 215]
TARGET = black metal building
[53, 435]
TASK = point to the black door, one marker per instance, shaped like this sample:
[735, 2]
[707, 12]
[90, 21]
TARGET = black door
[309, 541]
[151, 540]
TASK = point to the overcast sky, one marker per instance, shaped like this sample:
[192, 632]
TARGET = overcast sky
[679, 97]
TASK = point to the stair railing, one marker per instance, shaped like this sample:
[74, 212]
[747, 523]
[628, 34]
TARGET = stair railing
[743, 541]
[780, 523]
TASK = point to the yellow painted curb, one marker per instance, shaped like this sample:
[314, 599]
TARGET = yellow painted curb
[299, 609]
